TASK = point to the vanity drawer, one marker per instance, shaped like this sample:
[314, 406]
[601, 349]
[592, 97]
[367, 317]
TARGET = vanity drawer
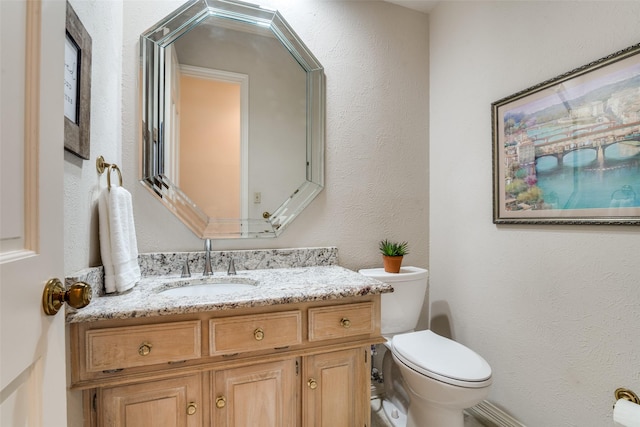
[341, 321]
[254, 332]
[131, 346]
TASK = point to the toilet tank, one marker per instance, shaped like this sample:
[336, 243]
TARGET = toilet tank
[401, 308]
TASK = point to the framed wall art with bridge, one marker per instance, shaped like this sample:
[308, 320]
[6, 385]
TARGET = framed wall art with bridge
[567, 151]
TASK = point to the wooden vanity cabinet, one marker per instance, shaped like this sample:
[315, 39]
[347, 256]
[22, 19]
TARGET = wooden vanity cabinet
[334, 387]
[257, 395]
[298, 365]
[170, 402]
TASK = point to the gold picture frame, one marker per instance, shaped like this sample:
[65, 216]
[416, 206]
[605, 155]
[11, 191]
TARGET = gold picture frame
[567, 151]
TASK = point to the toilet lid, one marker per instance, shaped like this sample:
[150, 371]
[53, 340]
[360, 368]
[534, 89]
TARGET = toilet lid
[442, 359]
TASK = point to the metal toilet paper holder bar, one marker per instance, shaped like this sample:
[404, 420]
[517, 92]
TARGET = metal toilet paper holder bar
[626, 394]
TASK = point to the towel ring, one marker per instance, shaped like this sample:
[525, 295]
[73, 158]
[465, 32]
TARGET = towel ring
[101, 166]
[111, 167]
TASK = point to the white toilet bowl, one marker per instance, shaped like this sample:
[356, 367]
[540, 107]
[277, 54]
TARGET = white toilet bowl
[440, 377]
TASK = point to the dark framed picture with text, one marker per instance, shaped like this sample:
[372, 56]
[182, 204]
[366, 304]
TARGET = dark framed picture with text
[77, 87]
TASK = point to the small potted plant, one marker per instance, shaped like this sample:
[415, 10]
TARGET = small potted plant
[392, 253]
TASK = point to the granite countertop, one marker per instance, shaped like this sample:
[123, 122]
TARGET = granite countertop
[272, 287]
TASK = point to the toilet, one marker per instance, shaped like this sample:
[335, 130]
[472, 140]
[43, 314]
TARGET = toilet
[428, 379]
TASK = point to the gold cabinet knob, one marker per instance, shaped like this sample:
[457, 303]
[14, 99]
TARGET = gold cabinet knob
[144, 349]
[221, 402]
[258, 334]
[312, 383]
[192, 408]
[346, 323]
[55, 295]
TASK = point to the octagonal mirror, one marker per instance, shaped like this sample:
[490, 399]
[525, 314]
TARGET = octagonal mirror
[232, 119]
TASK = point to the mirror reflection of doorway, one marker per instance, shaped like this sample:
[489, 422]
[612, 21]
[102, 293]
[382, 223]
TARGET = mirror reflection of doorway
[213, 151]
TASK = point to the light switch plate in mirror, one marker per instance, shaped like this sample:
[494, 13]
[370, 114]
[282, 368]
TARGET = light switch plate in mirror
[233, 105]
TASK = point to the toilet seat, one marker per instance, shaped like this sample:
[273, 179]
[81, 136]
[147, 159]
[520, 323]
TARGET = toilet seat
[442, 359]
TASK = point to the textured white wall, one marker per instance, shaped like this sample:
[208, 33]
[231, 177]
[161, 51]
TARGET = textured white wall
[375, 56]
[554, 309]
[82, 184]
[376, 59]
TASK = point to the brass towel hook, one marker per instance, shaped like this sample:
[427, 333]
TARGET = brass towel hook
[101, 166]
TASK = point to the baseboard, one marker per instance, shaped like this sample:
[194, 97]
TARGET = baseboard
[491, 415]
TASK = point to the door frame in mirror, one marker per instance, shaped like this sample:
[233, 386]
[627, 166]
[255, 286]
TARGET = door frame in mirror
[152, 87]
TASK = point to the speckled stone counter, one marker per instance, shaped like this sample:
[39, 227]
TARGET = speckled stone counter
[271, 286]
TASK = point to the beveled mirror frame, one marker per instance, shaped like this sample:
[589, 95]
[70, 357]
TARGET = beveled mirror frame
[152, 55]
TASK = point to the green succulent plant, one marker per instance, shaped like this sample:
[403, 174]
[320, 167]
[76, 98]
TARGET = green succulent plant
[388, 248]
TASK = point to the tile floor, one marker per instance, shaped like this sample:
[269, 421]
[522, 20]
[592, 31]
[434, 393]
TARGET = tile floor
[378, 419]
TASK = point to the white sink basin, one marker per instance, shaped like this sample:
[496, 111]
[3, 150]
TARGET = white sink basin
[208, 287]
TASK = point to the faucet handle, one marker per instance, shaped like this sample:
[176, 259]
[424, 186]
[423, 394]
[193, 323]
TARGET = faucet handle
[231, 271]
[208, 271]
[185, 268]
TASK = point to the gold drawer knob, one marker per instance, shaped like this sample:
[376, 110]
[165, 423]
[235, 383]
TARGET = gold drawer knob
[258, 334]
[144, 349]
[192, 408]
[312, 383]
[346, 323]
[221, 402]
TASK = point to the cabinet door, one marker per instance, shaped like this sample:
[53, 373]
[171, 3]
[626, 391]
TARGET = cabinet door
[262, 395]
[173, 402]
[336, 391]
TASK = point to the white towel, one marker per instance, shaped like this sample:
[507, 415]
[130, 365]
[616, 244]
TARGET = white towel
[118, 245]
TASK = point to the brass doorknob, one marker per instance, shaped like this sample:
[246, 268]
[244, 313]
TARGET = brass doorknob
[55, 295]
[221, 402]
[312, 383]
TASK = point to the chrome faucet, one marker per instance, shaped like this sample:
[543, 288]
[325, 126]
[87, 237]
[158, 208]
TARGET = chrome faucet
[207, 258]
[231, 271]
[185, 269]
